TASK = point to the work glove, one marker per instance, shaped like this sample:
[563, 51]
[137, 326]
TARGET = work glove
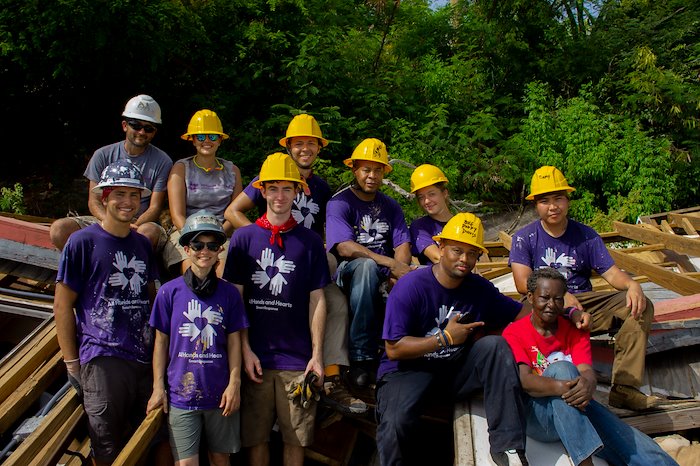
[304, 388]
[73, 369]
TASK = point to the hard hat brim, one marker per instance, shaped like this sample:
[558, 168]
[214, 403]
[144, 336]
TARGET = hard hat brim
[98, 189]
[205, 228]
[139, 116]
[283, 141]
[387, 168]
[531, 196]
[259, 183]
[188, 136]
[438, 238]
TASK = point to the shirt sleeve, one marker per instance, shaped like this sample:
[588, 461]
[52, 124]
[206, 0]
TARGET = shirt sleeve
[338, 229]
[520, 250]
[162, 310]
[237, 319]
[400, 306]
[579, 343]
[165, 164]
[319, 264]
[513, 336]
[600, 258]
[399, 234]
[421, 238]
[94, 168]
[235, 260]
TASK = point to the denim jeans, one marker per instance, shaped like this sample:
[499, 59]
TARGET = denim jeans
[595, 430]
[360, 279]
[401, 396]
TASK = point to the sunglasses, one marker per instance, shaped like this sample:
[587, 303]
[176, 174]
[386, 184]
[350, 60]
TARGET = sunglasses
[136, 126]
[203, 137]
[199, 245]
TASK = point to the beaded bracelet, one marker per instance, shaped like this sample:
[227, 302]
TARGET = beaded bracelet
[440, 345]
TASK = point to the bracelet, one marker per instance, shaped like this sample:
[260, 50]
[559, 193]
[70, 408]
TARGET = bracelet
[571, 312]
[68, 361]
[444, 338]
[449, 337]
[440, 345]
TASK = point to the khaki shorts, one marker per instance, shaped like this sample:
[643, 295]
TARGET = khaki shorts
[173, 253]
[262, 403]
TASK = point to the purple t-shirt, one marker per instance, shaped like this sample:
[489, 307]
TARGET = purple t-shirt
[111, 277]
[378, 225]
[309, 211]
[574, 254]
[154, 164]
[422, 231]
[418, 304]
[198, 327]
[277, 283]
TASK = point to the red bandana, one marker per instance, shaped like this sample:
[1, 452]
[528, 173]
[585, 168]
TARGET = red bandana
[276, 230]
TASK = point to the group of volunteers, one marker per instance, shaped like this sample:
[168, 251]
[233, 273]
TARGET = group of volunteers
[266, 317]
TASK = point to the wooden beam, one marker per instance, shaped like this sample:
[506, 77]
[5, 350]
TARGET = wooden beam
[666, 227]
[688, 227]
[666, 421]
[29, 391]
[677, 243]
[506, 239]
[645, 248]
[18, 369]
[65, 415]
[463, 441]
[495, 273]
[29, 254]
[681, 284]
[691, 219]
[139, 442]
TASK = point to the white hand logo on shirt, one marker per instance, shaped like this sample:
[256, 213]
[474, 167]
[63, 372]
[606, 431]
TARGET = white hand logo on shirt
[271, 271]
[371, 230]
[551, 260]
[128, 273]
[195, 328]
[304, 209]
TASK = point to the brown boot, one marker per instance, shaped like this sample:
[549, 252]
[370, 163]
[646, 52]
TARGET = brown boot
[626, 397]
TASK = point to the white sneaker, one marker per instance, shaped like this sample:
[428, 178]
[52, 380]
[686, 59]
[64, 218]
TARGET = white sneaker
[510, 458]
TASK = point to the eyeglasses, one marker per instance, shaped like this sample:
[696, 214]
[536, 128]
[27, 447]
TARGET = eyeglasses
[203, 137]
[136, 126]
[199, 245]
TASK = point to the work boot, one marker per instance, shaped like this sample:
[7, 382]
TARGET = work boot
[360, 374]
[626, 397]
[339, 398]
[510, 458]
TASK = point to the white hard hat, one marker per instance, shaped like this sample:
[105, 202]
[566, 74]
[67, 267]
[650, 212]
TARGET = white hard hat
[143, 107]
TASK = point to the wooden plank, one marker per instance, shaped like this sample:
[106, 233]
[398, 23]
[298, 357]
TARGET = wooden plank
[671, 308]
[80, 447]
[63, 413]
[688, 227]
[666, 421]
[30, 254]
[677, 243]
[26, 233]
[29, 391]
[60, 437]
[646, 247]
[666, 227]
[693, 220]
[38, 352]
[139, 442]
[674, 371]
[681, 284]
[506, 239]
[463, 442]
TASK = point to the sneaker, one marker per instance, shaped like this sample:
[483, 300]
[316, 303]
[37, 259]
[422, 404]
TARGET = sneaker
[510, 458]
[626, 397]
[339, 398]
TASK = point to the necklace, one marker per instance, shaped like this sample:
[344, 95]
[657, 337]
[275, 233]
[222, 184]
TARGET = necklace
[219, 165]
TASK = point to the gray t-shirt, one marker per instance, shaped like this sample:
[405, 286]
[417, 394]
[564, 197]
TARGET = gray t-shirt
[154, 164]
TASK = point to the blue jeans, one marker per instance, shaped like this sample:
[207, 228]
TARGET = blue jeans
[401, 396]
[360, 279]
[595, 430]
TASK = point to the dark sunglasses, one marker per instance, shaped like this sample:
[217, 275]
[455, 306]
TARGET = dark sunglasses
[199, 245]
[203, 137]
[136, 126]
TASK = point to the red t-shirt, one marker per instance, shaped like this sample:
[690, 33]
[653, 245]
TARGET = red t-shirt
[538, 352]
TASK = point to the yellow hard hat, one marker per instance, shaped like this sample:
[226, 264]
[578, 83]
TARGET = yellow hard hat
[370, 149]
[279, 167]
[426, 175]
[303, 125]
[464, 228]
[546, 180]
[204, 122]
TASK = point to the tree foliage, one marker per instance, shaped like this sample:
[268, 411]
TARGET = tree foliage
[608, 89]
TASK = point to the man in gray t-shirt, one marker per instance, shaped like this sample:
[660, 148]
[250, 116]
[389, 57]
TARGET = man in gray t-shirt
[141, 115]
